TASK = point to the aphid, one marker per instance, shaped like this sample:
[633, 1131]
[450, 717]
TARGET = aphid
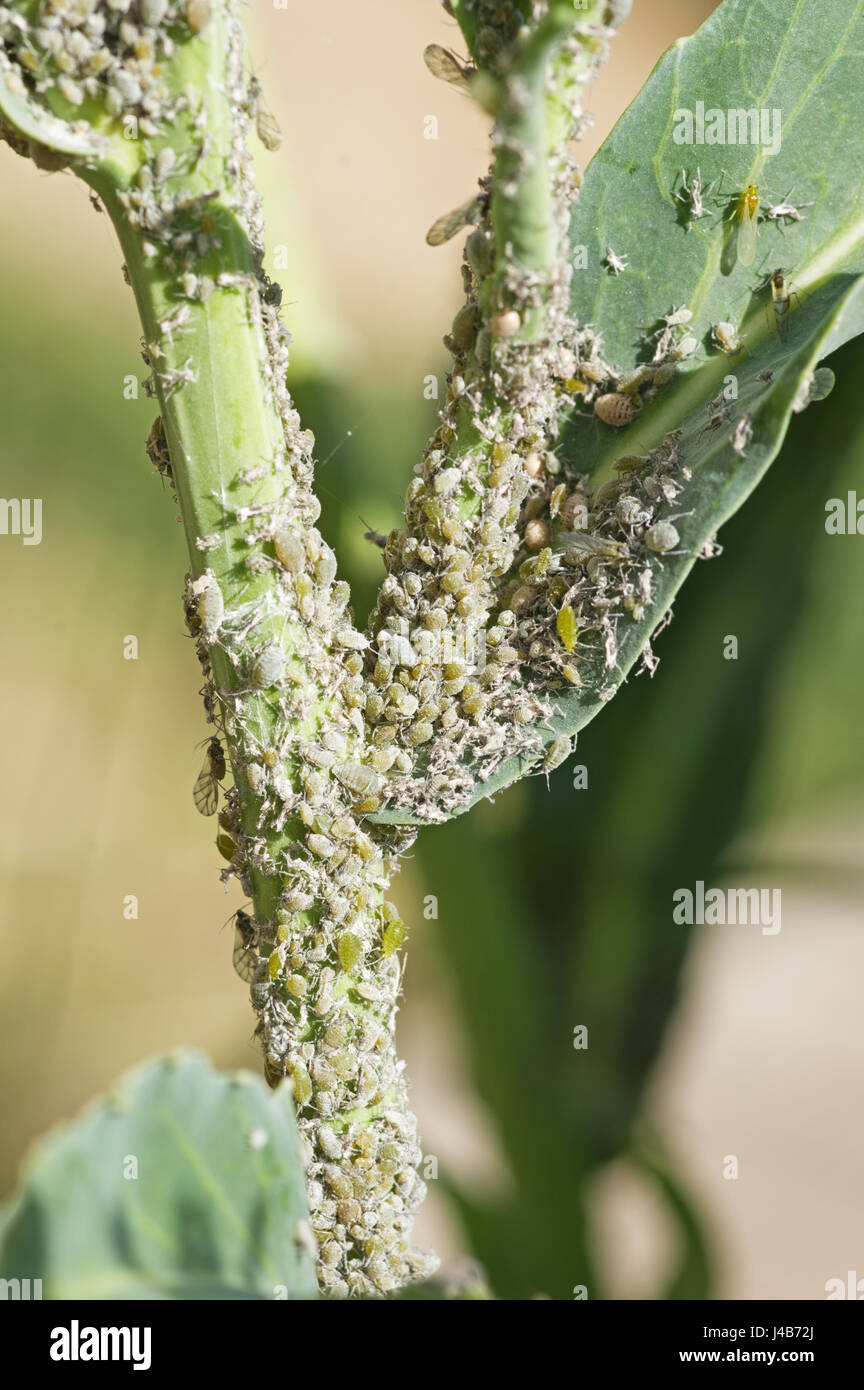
[693, 194]
[205, 793]
[616, 409]
[375, 537]
[393, 936]
[290, 550]
[767, 376]
[211, 605]
[742, 435]
[747, 216]
[662, 536]
[157, 450]
[272, 293]
[614, 264]
[268, 668]
[358, 778]
[266, 125]
[445, 64]
[452, 222]
[780, 298]
[558, 752]
[579, 547]
[245, 956]
[567, 627]
[719, 418]
[726, 337]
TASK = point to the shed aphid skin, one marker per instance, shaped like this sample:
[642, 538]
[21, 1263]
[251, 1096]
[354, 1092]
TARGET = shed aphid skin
[693, 194]
[786, 211]
[449, 67]
[747, 216]
[446, 227]
[266, 125]
[742, 435]
[205, 793]
[614, 263]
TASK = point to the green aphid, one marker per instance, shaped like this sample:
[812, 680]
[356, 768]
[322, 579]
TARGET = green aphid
[557, 753]
[350, 950]
[392, 937]
[568, 627]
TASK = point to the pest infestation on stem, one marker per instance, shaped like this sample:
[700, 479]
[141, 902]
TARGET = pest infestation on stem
[517, 581]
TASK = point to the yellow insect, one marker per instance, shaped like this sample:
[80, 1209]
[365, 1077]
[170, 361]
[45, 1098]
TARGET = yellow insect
[747, 216]
[205, 793]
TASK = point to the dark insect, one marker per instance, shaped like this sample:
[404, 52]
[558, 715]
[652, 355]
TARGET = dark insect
[157, 450]
[205, 793]
[452, 222]
[375, 537]
[272, 293]
[246, 960]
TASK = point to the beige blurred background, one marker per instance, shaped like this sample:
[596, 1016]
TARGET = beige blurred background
[100, 756]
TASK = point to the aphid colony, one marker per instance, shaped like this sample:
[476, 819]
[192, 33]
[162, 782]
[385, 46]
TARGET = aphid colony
[326, 725]
[323, 967]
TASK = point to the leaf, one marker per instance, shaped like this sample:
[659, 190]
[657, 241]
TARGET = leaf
[578, 883]
[693, 1278]
[748, 54]
[182, 1184]
[39, 124]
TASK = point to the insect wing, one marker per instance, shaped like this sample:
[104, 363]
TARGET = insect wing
[747, 228]
[267, 127]
[205, 793]
[245, 956]
[452, 222]
[443, 63]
